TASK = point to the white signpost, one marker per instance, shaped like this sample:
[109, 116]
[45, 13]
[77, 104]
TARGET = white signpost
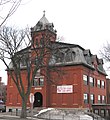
[31, 98]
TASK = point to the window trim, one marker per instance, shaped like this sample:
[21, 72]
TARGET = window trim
[91, 81]
[99, 83]
[86, 98]
[99, 98]
[85, 79]
[103, 85]
[93, 98]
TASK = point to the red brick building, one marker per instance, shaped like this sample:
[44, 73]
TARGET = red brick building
[108, 90]
[2, 91]
[82, 84]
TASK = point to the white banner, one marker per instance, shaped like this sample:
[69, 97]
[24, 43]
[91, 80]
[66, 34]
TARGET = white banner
[65, 89]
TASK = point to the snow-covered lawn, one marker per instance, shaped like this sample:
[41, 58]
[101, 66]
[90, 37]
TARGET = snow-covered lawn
[85, 117]
[63, 114]
[43, 111]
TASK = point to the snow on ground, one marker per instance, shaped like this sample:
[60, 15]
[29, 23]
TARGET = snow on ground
[43, 111]
[85, 117]
[59, 114]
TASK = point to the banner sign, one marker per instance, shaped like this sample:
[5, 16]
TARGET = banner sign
[65, 89]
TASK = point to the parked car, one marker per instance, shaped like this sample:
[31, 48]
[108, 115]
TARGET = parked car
[2, 106]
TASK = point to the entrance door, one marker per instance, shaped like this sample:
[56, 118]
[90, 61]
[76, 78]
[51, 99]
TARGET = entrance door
[38, 99]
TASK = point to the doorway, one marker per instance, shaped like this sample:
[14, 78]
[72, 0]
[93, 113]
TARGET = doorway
[38, 99]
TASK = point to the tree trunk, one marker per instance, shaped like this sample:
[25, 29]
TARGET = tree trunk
[24, 108]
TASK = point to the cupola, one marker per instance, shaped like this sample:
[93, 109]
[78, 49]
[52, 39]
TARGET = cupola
[43, 24]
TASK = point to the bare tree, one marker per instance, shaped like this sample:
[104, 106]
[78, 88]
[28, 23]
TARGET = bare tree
[105, 52]
[7, 8]
[36, 55]
[2, 91]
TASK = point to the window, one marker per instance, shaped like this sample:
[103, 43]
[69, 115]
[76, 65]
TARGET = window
[103, 85]
[107, 112]
[99, 98]
[38, 81]
[85, 79]
[41, 81]
[92, 98]
[68, 56]
[103, 99]
[60, 57]
[102, 111]
[98, 84]
[23, 62]
[91, 81]
[96, 111]
[52, 60]
[86, 100]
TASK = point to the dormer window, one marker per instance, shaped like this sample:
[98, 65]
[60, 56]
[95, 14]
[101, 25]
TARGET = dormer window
[73, 55]
[68, 56]
[60, 57]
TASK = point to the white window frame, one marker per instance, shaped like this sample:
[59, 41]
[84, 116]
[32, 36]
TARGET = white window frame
[98, 83]
[91, 79]
[38, 81]
[85, 79]
[92, 97]
[103, 84]
[99, 98]
[103, 99]
[85, 97]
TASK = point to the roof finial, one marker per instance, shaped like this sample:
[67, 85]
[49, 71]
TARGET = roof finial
[44, 13]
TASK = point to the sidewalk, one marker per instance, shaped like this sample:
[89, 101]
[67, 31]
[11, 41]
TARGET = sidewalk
[8, 116]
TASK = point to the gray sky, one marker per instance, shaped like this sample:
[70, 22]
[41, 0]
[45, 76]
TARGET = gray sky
[82, 22]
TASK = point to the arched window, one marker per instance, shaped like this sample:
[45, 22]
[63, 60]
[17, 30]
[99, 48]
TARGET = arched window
[60, 57]
[68, 56]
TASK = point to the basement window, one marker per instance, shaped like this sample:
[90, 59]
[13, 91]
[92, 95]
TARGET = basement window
[96, 111]
[102, 111]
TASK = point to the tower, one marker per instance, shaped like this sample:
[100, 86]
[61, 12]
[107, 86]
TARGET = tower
[42, 34]
[43, 27]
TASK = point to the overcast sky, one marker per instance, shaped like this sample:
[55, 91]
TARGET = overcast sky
[82, 22]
